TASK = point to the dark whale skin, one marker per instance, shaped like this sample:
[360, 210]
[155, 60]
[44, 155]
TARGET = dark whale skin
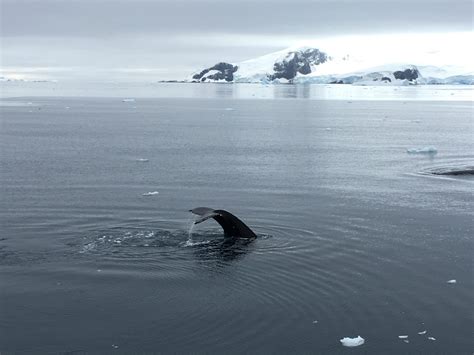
[232, 226]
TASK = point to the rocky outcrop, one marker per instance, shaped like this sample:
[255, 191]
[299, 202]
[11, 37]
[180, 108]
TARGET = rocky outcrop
[218, 72]
[407, 74]
[297, 62]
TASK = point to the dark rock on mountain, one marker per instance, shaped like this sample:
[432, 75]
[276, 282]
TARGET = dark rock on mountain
[225, 72]
[386, 79]
[297, 62]
[407, 74]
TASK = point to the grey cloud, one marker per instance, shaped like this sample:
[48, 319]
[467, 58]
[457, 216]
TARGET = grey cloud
[116, 18]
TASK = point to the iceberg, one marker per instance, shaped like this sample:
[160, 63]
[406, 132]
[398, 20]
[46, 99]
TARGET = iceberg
[351, 342]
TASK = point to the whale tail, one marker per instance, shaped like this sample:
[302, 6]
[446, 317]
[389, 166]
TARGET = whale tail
[232, 226]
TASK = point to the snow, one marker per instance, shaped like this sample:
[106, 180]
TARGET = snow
[347, 67]
[424, 150]
[351, 342]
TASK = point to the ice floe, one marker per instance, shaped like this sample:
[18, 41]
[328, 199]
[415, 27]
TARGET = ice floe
[351, 342]
[423, 150]
[451, 281]
[151, 193]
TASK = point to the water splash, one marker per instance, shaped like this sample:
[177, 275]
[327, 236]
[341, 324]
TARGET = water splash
[190, 232]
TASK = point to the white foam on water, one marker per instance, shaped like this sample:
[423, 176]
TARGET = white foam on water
[351, 342]
[151, 193]
[190, 243]
[88, 247]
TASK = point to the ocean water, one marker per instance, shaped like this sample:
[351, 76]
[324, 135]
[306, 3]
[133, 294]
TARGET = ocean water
[356, 236]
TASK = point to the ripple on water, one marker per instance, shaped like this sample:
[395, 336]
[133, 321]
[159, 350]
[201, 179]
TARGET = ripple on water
[327, 274]
[462, 167]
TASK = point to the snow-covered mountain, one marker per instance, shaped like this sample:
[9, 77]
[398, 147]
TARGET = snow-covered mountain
[312, 65]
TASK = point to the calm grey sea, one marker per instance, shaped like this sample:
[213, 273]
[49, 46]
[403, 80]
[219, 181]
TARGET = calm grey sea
[355, 235]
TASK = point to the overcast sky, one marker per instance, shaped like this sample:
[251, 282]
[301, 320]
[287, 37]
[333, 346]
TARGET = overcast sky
[165, 39]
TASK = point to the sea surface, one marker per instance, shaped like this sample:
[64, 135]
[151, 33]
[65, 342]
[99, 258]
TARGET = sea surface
[356, 236]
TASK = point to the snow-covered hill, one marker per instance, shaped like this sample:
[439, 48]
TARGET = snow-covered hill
[312, 65]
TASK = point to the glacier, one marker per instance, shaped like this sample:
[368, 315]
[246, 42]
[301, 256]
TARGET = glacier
[307, 65]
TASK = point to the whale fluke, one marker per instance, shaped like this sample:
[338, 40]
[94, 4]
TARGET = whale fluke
[233, 227]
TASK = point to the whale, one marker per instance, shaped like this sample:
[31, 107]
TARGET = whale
[232, 226]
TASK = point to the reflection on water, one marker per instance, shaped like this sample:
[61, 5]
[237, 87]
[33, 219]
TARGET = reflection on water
[238, 91]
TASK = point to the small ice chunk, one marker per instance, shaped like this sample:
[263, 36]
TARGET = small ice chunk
[128, 100]
[142, 160]
[422, 333]
[151, 193]
[451, 281]
[229, 109]
[403, 336]
[351, 342]
[424, 150]
[328, 128]
[315, 321]
[431, 338]
[67, 107]
[99, 270]
[406, 341]
[115, 346]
